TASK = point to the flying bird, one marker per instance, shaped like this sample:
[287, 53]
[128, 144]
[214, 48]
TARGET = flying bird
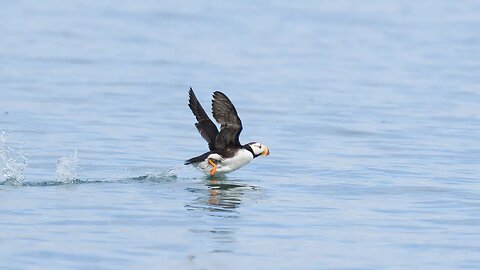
[226, 153]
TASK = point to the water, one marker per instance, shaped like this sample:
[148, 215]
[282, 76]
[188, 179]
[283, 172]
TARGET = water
[66, 171]
[370, 110]
[14, 162]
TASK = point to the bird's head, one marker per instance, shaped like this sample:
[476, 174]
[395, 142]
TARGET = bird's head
[259, 149]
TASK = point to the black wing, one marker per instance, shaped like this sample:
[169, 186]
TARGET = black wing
[231, 125]
[205, 126]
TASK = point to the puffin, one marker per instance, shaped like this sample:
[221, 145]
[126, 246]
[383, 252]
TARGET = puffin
[226, 153]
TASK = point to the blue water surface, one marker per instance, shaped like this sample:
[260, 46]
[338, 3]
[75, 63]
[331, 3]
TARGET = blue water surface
[371, 111]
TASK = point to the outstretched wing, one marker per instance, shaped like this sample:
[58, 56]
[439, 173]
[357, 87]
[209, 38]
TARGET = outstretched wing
[231, 125]
[205, 126]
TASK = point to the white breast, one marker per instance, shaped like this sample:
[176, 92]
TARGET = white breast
[241, 158]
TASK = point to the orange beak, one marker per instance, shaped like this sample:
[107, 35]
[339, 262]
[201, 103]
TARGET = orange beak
[265, 152]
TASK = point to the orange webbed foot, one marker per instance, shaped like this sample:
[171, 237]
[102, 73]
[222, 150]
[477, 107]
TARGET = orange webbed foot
[214, 167]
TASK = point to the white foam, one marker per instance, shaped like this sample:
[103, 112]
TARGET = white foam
[66, 171]
[14, 162]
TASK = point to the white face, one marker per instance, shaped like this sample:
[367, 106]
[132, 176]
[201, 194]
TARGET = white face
[260, 149]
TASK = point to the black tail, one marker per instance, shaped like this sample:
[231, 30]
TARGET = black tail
[197, 159]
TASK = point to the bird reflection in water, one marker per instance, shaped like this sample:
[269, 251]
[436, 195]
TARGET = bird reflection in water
[218, 200]
[221, 195]
[224, 195]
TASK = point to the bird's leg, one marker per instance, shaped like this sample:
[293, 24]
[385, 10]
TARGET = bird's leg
[214, 169]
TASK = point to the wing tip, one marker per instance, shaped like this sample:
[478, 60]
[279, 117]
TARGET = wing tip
[191, 97]
[217, 96]
[218, 93]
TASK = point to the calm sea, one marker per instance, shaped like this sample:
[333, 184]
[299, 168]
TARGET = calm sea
[371, 111]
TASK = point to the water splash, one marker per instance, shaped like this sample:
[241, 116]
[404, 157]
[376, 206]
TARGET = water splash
[66, 171]
[14, 162]
[169, 174]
